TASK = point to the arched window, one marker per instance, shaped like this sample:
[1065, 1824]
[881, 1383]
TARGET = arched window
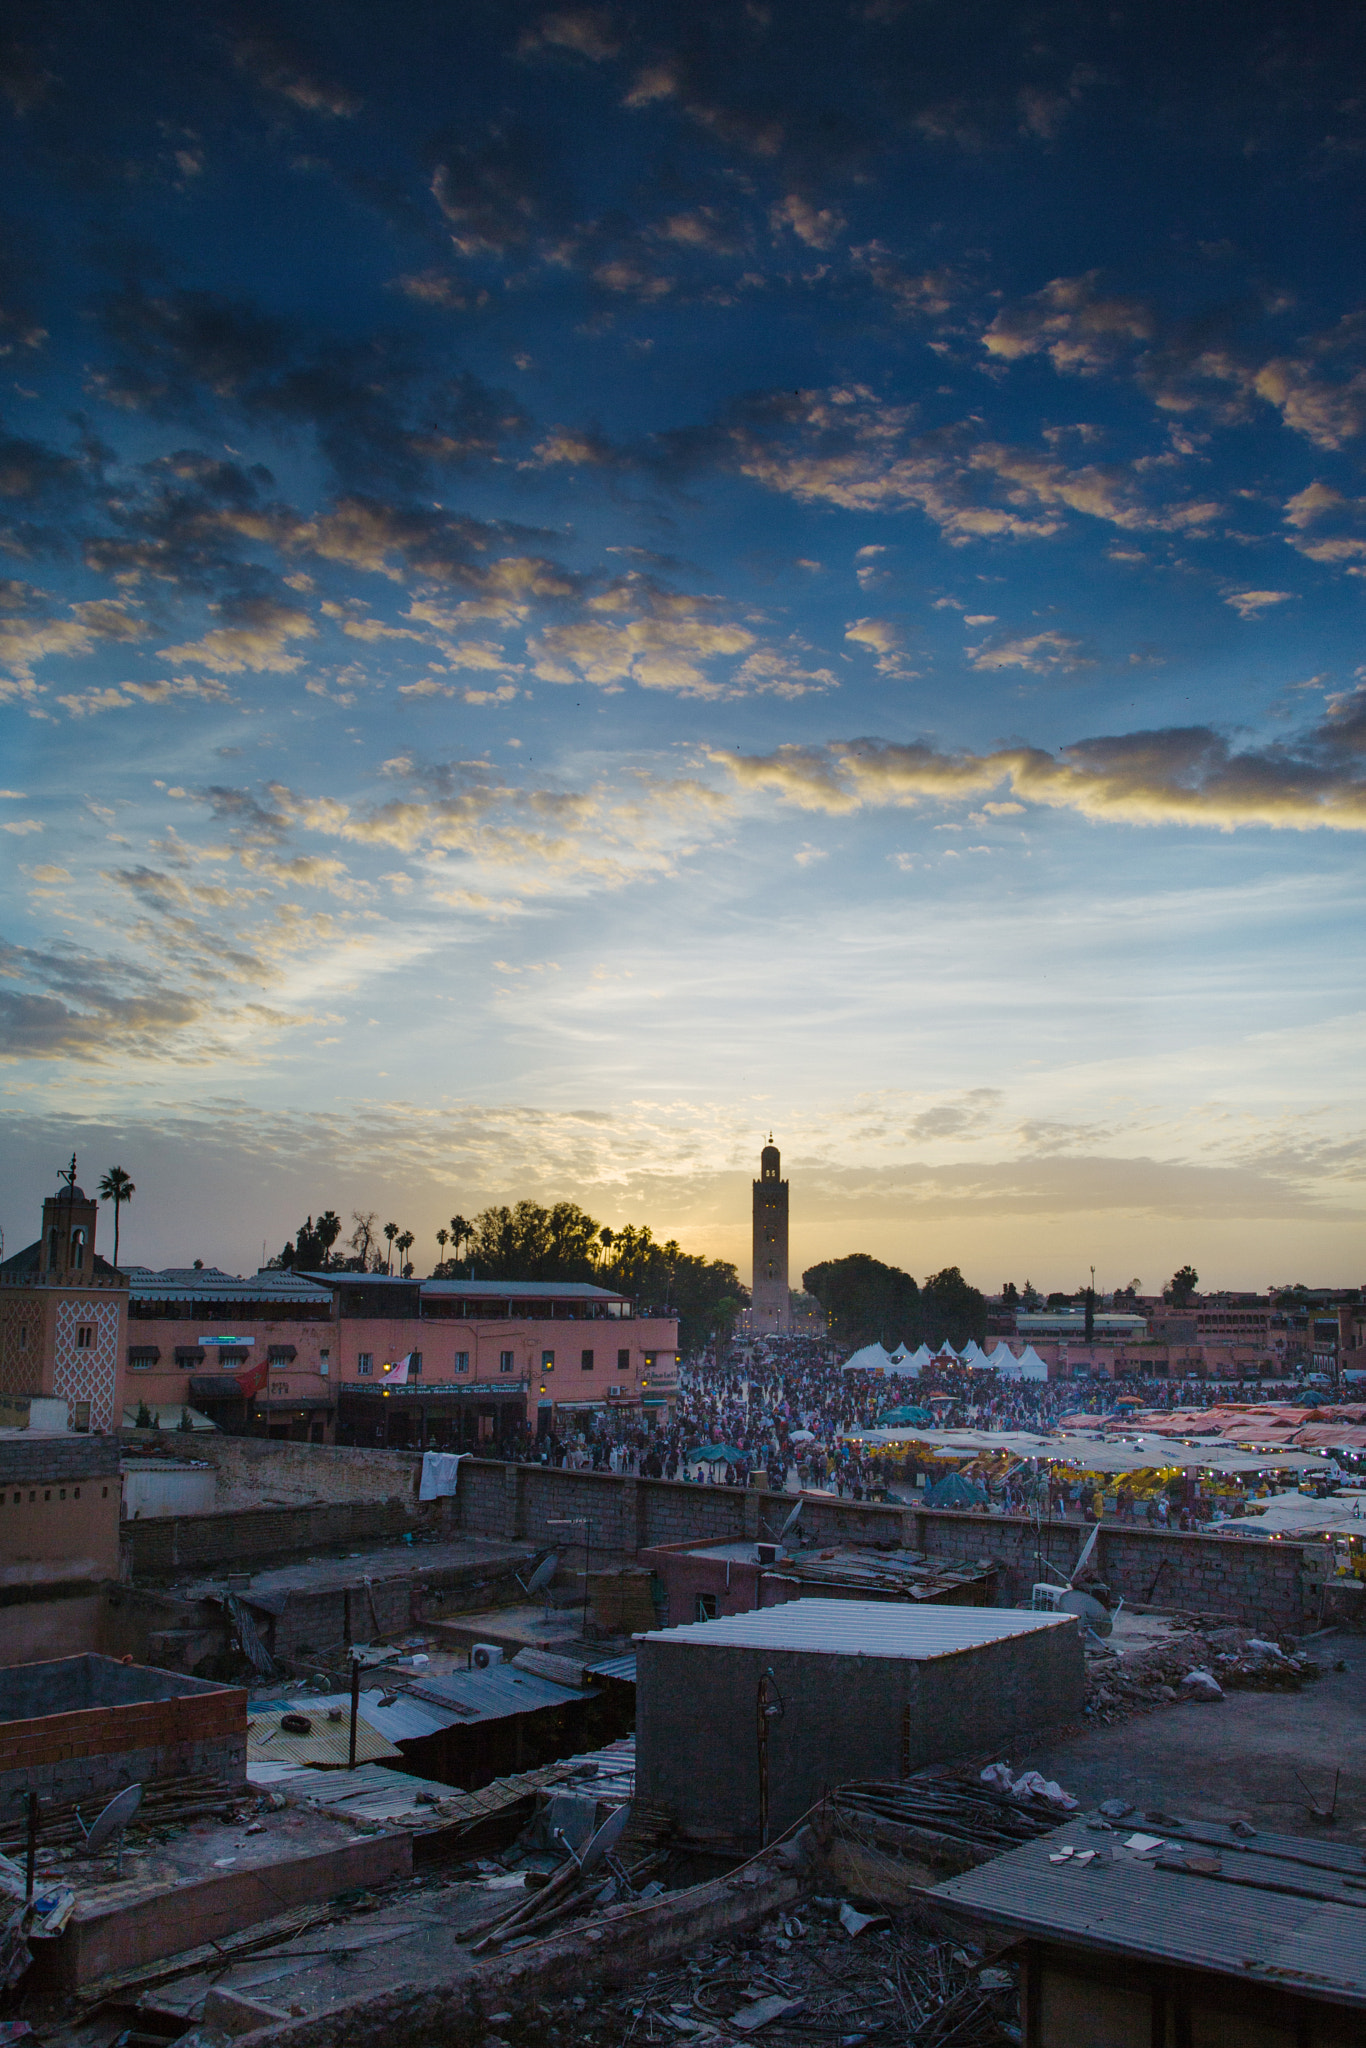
[52, 1249]
[78, 1245]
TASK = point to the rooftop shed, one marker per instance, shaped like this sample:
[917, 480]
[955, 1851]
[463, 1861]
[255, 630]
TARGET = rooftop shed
[851, 1689]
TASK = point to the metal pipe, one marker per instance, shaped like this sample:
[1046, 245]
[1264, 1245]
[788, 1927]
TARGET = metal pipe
[355, 1710]
[33, 1844]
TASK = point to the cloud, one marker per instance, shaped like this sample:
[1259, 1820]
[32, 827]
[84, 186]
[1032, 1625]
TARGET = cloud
[1187, 776]
[581, 31]
[636, 631]
[1039, 652]
[280, 71]
[496, 190]
[124, 696]
[26, 641]
[1081, 331]
[1248, 603]
[261, 639]
[21, 827]
[882, 638]
[848, 448]
[819, 227]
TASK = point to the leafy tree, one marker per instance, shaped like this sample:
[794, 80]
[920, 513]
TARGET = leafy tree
[953, 1309]
[1182, 1286]
[116, 1187]
[460, 1233]
[310, 1249]
[865, 1301]
[443, 1238]
[1010, 1295]
[1031, 1298]
[1090, 1315]
[1056, 1300]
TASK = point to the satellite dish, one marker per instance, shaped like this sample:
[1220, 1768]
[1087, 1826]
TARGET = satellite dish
[114, 1818]
[544, 1573]
[1093, 1615]
[790, 1524]
[606, 1838]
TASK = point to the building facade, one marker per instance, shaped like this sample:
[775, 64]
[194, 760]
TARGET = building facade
[366, 1359]
[770, 1305]
[63, 1315]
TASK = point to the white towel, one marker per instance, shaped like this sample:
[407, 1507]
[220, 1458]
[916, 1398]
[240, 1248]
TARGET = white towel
[440, 1474]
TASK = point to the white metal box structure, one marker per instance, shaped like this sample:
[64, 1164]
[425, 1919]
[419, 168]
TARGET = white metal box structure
[851, 1689]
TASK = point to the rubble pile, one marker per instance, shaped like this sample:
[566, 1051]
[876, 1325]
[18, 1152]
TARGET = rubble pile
[1193, 1664]
[827, 1972]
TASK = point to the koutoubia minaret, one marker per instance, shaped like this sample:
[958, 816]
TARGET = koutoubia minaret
[771, 1308]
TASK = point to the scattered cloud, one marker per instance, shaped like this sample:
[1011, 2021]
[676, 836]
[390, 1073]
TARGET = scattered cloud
[1039, 652]
[1250, 603]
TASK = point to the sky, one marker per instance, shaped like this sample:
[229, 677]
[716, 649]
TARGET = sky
[582, 585]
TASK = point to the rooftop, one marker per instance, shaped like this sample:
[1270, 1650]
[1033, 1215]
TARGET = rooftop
[860, 1628]
[211, 1283]
[1281, 1908]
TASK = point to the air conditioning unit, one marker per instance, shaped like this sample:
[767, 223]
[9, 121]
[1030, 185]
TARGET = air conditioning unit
[482, 1655]
[614, 1393]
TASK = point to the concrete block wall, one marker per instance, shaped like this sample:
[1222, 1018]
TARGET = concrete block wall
[93, 1752]
[1243, 1579]
[45, 1460]
[170, 1545]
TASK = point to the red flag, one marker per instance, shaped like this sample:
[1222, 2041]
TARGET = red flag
[252, 1378]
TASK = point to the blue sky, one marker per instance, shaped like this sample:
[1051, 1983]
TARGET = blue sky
[580, 584]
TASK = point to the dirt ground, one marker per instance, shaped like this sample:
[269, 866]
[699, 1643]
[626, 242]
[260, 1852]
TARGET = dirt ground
[1232, 1757]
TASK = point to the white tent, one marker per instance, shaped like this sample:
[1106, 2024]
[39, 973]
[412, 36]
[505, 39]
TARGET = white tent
[946, 1350]
[1000, 1356]
[972, 1353]
[872, 1358]
[1029, 1366]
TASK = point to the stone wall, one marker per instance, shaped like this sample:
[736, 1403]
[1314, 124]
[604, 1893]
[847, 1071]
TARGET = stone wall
[1243, 1579]
[255, 1472]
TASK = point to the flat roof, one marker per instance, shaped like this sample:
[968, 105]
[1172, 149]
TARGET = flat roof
[522, 1290]
[208, 1283]
[860, 1628]
[1279, 1908]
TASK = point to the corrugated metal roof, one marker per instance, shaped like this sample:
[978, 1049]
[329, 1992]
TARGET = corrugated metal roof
[1278, 1907]
[522, 1290]
[471, 1696]
[326, 1744]
[615, 1667]
[186, 1283]
[868, 1628]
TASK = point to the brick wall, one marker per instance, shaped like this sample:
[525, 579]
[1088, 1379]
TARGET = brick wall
[1244, 1579]
[92, 1752]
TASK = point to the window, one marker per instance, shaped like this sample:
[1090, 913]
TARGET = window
[365, 1363]
[706, 1607]
[462, 1361]
[85, 1337]
[623, 1361]
[505, 1361]
[414, 1364]
[23, 1336]
[324, 1364]
[586, 1360]
[547, 1361]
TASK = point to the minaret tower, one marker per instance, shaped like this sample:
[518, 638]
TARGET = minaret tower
[771, 1311]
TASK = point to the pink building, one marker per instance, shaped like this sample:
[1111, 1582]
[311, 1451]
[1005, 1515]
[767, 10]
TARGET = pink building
[362, 1358]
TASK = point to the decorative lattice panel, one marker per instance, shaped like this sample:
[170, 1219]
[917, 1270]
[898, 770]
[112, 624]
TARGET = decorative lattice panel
[90, 1375]
[20, 1369]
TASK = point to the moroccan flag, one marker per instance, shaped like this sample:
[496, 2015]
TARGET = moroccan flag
[252, 1378]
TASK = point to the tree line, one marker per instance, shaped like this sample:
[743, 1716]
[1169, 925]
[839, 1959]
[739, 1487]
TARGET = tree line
[528, 1241]
[867, 1302]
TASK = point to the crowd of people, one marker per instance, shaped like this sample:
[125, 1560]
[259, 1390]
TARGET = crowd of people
[786, 1408]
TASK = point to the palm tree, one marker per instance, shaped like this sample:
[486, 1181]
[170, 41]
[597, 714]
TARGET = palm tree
[443, 1238]
[460, 1233]
[391, 1232]
[116, 1187]
[405, 1245]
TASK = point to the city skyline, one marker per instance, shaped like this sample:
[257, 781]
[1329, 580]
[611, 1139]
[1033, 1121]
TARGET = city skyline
[585, 585]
